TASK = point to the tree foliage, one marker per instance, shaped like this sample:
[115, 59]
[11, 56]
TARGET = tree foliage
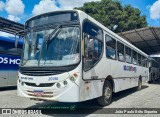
[111, 13]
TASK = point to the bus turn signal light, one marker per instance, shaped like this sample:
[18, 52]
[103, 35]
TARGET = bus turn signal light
[73, 77]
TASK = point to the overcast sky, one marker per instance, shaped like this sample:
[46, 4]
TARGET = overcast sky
[21, 10]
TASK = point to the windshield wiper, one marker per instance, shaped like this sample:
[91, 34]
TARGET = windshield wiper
[52, 35]
[23, 63]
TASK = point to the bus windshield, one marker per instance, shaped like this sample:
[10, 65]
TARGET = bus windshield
[43, 48]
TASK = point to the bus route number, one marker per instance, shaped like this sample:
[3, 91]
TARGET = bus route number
[52, 78]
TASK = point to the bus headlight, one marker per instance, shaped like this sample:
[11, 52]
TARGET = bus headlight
[58, 85]
[72, 79]
[65, 82]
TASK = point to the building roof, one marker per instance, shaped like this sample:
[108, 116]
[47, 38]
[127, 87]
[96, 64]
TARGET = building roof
[146, 39]
[11, 27]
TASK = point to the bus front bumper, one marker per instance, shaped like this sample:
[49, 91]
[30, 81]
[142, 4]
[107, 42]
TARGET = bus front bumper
[69, 93]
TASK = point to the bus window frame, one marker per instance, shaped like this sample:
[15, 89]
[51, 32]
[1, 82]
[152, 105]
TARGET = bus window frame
[115, 47]
[140, 59]
[136, 57]
[83, 34]
[127, 54]
[123, 51]
[145, 63]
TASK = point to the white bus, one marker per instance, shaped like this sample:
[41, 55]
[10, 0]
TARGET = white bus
[70, 57]
[154, 72]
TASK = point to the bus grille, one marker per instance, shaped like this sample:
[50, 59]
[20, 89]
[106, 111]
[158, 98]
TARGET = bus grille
[41, 85]
[46, 94]
[40, 73]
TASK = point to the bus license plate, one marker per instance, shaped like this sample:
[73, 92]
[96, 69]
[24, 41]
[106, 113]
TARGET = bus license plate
[38, 93]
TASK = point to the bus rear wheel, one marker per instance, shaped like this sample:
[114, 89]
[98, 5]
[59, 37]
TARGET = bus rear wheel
[106, 97]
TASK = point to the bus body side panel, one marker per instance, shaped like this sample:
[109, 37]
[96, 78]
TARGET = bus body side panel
[125, 83]
[99, 71]
[95, 78]
[12, 78]
[8, 69]
[145, 75]
[90, 89]
[126, 75]
[3, 78]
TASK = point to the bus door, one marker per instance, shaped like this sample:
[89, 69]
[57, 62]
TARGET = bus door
[92, 57]
[92, 44]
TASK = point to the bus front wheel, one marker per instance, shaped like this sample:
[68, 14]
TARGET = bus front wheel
[106, 97]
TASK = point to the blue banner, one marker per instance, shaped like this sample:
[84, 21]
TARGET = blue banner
[9, 62]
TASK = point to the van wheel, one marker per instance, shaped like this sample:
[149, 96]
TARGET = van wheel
[139, 87]
[106, 97]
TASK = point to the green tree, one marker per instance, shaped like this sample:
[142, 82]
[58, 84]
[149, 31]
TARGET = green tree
[111, 13]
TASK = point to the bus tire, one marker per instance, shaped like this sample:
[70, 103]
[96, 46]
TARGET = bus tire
[106, 97]
[139, 87]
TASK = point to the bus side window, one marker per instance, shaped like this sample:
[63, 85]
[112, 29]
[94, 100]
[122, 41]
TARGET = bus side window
[146, 62]
[120, 51]
[143, 61]
[93, 51]
[139, 59]
[110, 47]
[7, 47]
[93, 44]
[128, 55]
[134, 57]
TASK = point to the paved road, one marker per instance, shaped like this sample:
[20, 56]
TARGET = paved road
[148, 97]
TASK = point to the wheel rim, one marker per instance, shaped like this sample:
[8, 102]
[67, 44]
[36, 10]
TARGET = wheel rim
[107, 93]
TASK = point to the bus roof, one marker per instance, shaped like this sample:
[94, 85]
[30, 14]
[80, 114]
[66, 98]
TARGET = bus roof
[10, 39]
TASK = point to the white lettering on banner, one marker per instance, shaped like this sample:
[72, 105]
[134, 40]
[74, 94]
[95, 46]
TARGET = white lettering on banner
[9, 61]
